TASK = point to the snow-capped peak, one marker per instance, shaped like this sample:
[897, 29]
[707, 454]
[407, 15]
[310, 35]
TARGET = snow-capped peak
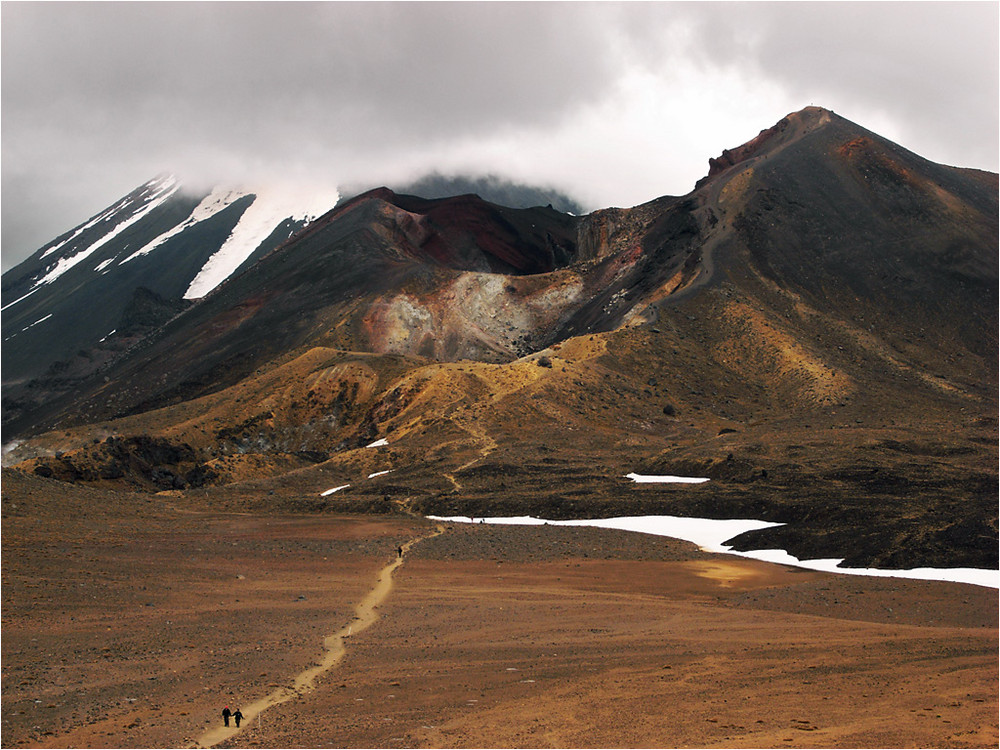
[154, 193]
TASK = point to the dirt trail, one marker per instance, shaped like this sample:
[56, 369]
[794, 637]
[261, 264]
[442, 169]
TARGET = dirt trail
[476, 432]
[334, 647]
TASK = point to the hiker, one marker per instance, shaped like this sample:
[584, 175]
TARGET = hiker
[226, 713]
[399, 551]
[238, 716]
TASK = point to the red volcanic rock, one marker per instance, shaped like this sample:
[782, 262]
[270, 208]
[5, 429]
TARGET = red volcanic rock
[751, 148]
[467, 232]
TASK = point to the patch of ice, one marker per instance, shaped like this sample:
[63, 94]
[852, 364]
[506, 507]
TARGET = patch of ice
[642, 478]
[108, 335]
[104, 264]
[378, 443]
[379, 473]
[212, 204]
[269, 209]
[334, 489]
[711, 535]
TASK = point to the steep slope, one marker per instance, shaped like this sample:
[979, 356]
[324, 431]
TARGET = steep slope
[71, 294]
[845, 229]
[814, 328]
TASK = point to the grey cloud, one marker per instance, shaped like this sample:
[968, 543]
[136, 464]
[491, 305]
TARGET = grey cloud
[930, 67]
[412, 70]
[98, 97]
[247, 87]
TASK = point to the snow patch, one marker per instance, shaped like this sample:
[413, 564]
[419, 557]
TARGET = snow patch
[379, 473]
[640, 478]
[30, 325]
[378, 443]
[104, 264]
[334, 489]
[40, 320]
[269, 209]
[11, 304]
[975, 576]
[213, 203]
[711, 534]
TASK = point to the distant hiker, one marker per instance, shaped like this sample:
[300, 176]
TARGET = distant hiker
[237, 717]
[399, 551]
[226, 713]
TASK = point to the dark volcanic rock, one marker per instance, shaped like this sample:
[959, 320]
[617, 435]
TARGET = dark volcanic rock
[147, 310]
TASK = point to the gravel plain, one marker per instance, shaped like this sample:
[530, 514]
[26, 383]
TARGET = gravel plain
[130, 620]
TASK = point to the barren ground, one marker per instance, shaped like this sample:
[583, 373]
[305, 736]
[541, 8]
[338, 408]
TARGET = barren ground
[130, 620]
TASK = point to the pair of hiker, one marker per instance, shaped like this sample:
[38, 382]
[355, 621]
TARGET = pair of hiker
[226, 713]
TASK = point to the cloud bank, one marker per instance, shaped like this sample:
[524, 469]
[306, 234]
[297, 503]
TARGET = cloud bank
[613, 103]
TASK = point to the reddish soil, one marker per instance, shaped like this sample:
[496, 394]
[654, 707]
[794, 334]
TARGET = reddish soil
[131, 620]
[128, 622]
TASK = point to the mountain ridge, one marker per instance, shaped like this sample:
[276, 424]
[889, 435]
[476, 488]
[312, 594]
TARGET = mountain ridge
[813, 326]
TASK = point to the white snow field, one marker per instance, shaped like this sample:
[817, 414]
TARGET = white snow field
[711, 534]
[269, 209]
[120, 205]
[157, 191]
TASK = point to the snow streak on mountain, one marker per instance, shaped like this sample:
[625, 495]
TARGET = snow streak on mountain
[163, 238]
[270, 210]
[114, 220]
[214, 202]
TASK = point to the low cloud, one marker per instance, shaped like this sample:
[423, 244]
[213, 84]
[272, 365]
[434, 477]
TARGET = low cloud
[612, 103]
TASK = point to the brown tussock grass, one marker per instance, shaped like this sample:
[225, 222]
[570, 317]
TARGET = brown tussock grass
[757, 344]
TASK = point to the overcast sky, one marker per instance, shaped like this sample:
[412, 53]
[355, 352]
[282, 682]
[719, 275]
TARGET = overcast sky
[613, 103]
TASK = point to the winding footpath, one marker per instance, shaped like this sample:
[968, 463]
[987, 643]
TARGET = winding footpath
[334, 650]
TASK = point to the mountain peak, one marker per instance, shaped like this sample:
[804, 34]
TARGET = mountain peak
[790, 127]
